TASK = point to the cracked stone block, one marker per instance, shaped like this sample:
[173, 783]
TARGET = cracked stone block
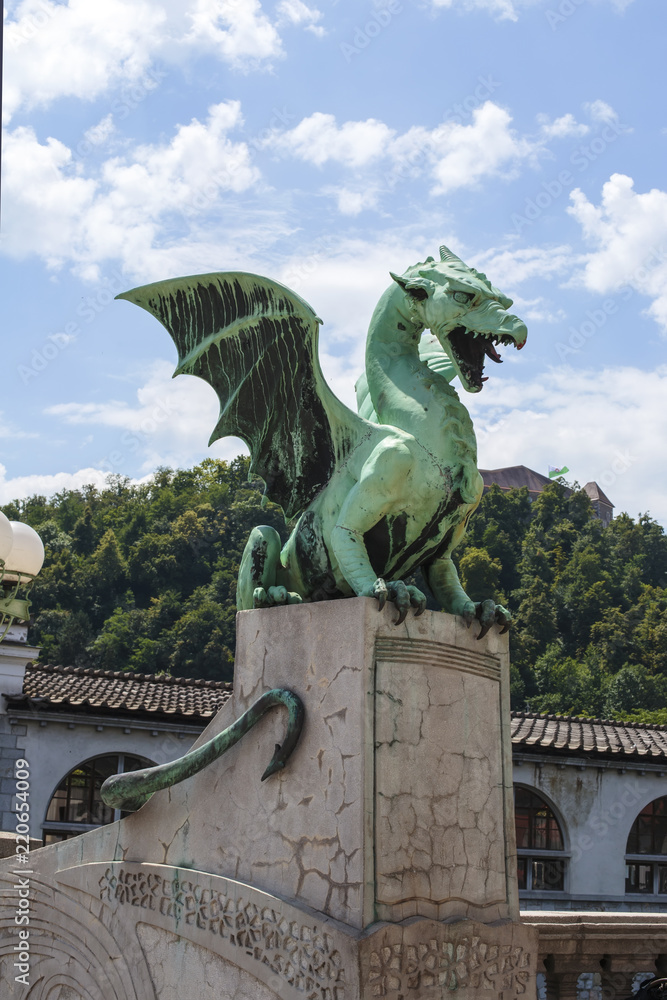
[372, 865]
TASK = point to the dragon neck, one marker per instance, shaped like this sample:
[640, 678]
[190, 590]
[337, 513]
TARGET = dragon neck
[405, 392]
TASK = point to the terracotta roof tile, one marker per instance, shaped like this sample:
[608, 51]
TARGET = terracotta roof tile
[109, 691]
[115, 691]
[587, 737]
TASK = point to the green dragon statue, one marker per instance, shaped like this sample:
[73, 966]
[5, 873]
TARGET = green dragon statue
[379, 493]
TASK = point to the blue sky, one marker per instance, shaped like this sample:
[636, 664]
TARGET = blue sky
[325, 145]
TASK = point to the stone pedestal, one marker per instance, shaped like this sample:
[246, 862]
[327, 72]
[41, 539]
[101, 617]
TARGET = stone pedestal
[379, 863]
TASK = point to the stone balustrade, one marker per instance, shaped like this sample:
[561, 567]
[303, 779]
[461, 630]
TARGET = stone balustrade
[612, 946]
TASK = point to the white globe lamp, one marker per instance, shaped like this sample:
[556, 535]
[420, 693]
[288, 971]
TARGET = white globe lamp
[21, 562]
[6, 536]
[26, 556]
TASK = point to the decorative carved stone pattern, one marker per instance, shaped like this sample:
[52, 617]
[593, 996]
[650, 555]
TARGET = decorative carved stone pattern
[400, 969]
[396, 649]
[73, 954]
[300, 954]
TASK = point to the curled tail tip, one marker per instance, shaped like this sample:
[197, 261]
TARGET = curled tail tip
[276, 764]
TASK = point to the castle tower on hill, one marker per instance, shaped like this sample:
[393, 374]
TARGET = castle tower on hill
[516, 476]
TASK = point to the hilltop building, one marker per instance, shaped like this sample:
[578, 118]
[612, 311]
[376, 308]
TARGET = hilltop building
[516, 476]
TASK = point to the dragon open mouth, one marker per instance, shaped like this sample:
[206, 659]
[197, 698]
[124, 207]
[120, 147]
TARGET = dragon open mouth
[469, 350]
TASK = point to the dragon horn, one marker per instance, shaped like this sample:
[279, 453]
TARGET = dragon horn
[446, 254]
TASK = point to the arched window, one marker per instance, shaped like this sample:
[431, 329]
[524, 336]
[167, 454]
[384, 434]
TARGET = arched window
[539, 843]
[76, 805]
[646, 851]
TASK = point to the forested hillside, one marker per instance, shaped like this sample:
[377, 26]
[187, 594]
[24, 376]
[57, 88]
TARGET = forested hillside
[143, 578]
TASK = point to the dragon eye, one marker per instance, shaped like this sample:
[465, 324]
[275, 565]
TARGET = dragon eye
[463, 297]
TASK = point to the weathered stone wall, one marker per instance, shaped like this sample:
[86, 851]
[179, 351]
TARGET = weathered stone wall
[379, 863]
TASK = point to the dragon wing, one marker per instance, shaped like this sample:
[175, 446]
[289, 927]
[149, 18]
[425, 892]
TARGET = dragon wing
[255, 342]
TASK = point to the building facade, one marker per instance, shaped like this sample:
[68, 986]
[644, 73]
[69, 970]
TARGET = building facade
[518, 476]
[75, 727]
[590, 794]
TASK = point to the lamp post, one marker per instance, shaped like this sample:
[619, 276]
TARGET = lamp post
[21, 558]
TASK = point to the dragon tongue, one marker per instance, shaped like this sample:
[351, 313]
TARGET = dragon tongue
[492, 353]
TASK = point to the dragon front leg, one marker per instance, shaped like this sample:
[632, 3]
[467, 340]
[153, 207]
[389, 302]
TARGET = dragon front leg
[350, 552]
[444, 582]
[378, 493]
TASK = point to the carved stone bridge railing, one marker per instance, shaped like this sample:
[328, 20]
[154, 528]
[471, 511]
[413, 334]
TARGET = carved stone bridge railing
[615, 946]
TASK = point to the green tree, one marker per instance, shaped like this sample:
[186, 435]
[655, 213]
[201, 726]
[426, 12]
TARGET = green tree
[83, 533]
[143, 577]
[480, 575]
[203, 642]
[634, 687]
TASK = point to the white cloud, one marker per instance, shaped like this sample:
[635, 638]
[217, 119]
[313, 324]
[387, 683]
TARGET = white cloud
[121, 211]
[503, 9]
[79, 49]
[452, 155]
[83, 49]
[507, 268]
[629, 233]
[240, 33]
[463, 154]
[537, 310]
[169, 424]
[45, 203]
[509, 9]
[101, 132]
[563, 127]
[352, 202]
[21, 487]
[592, 421]
[297, 12]
[8, 429]
[600, 111]
[319, 139]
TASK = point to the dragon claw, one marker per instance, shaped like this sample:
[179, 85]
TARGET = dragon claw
[488, 613]
[404, 596]
[402, 615]
[380, 592]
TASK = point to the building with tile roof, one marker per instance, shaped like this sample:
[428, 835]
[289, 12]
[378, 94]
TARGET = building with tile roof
[516, 476]
[601, 503]
[75, 726]
[175, 699]
[594, 798]
[591, 794]
[592, 739]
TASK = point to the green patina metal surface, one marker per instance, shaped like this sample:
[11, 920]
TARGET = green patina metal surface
[379, 493]
[132, 789]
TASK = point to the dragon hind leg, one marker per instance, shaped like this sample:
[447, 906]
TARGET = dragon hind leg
[260, 564]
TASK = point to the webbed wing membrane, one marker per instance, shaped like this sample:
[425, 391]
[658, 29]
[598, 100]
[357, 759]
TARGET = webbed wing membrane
[255, 342]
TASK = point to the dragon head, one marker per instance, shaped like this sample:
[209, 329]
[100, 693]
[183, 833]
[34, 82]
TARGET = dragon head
[465, 311]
